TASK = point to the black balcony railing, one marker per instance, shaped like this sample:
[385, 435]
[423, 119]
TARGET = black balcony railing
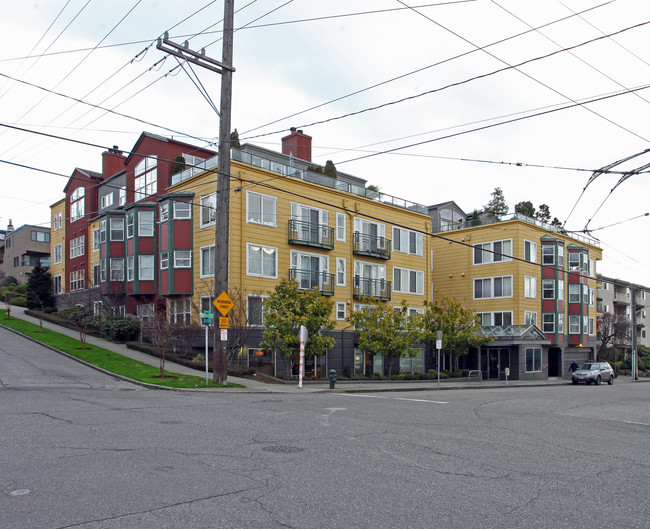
[371, 245]
[371, 288]
[311, 234]
[308, 280]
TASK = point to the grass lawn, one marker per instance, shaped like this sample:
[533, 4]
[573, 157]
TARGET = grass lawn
[113, 362]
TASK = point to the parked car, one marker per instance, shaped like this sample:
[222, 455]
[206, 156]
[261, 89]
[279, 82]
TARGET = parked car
[595, 372]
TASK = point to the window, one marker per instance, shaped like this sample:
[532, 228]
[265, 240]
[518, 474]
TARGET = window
[493, 252]
[57, 284]
[408, 281]
[530, 287]
[57, 221]
[340, 227]
[130, 265]
[372, 235]
[530, 251]
[40, 236]
[96, 240]
[261, 261]
[340, 271]
[182, 258]
[164, 260]
[146, 175]
[574, 324]
[145, 223]
[145, 312]
[592, 327]
[77, 247]
[122, 199]
[530, 317]
[182, 210]
[207, 261]
[548, 322]
[495, 318]
[129, 224]
[493, 287]
[180, 311]
[548, 254]
[574, 293]
[146, 267]
[574, 260]
[117, 229]
[208, 210]
[102, 270]
[106, 201]
[77, 204]
[310, 270]
[533, 359]
[560, 289]
[117, 269]
[16, 261]
[164, 211]
[340, 310]
[58, 254]
[548, 288]
[77, 280]
[255, 310]
[407, 241]
[560, 323]
[260, 209]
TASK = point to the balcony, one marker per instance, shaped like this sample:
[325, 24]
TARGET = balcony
[371, 246]
[371, 288]
[308, 280]
[311, 234]
[621, 298]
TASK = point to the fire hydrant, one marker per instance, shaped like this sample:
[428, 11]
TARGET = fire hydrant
[332, 378]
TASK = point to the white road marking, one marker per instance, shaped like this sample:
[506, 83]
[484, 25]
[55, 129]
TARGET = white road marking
[392, 398]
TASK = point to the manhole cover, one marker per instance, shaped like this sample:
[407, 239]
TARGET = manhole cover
[19, 492]
[283, 449]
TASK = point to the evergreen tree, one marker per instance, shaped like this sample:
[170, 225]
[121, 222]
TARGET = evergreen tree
[234, 139]
[39, 288]
[543, 213]
[525, 208]
[497, 206]
[476, 219]
[330, 169]
[179, 164]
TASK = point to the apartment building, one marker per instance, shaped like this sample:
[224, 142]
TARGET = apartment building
[621, 298]
[533, 287]
[22, 249]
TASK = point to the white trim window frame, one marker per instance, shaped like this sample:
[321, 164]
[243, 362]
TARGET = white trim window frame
[130, 266]
[574, 324]
[341, 271]
[106, 201]
[407, 281]
[309, 268]
[530, 287]
[57, 282]
[146, 267]
[117, 268]
[180, 311]
[548, 288]
[77, 204]
[164, 260]
[574, 292]
[146, 176]
[117, 229]
[548, 322]
[182, 210]
[261, 209]
[95, 239]
[530, 251]
[493, 287]
[261, 260]
[206, 261]
[58, 254]
[130, 219]
[530, 317]
[408, 241]
[146, 219]
[533, 359]
[256, 319]
[341, 311]
[208, 212]
[182, 258]
[341, 224]
[492, 252]
[77, 247]
[490, 319]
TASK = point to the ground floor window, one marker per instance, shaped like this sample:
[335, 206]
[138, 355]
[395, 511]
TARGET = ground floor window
[412, 365]
[57, 284]
[180, 311]
[533, 359]
[145, 312]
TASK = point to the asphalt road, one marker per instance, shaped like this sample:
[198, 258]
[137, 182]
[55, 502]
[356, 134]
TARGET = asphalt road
[82, 449]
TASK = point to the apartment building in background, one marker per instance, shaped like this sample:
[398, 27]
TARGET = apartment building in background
[23, 248]
[615, 296]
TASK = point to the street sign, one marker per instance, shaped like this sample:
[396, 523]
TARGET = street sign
[224, 323]
[224, 335]
[223, 303]
[206, 317]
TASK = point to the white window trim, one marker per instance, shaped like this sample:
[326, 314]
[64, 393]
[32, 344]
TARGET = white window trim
[208, 198]
[345, 271]
[492, 296]
[189, 260]
[208, 247]
[419, 273]
[177, 211]
[248, 296]
[526, 313]
[533, 280]
[140, 223]
[58, 254]
[533, 244]
[534, 349]
[491, 253]
[152, 268]
[343, 225]
[254, 274]
[345, 310]
[492, 313]
[418, 235]
[274, 224]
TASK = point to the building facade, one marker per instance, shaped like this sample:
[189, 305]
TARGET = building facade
[623, 299]
[24, 248]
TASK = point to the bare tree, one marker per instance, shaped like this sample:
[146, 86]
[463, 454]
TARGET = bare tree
[161, 333]
[613, 330]
[80, 317]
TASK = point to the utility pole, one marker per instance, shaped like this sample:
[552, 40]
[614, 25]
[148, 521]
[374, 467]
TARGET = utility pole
[223, 67]
[634, 366]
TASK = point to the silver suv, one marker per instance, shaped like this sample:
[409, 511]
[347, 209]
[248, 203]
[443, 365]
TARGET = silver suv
[595, 372]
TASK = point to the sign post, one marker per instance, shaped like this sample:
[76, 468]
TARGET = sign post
[206, 319]
[224, 304]
[438, 347]
[301, 368]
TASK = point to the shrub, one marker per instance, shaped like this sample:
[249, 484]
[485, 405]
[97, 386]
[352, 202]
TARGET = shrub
[397, 377]
[409, 376]
[443, 375]
[120, 329]
[280, 376]
[347, 371]
[432, 374]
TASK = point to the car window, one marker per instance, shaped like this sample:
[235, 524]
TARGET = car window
[586, 367]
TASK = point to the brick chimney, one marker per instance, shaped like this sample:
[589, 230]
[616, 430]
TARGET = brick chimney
[10, 226]
[297, 143]
[112, 162]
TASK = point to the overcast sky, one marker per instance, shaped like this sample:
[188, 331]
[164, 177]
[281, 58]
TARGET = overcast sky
[557, 89]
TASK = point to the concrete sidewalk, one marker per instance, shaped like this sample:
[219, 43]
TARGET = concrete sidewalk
[254, 386]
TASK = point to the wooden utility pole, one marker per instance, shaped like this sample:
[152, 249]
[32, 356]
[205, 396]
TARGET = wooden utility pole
[223, 67]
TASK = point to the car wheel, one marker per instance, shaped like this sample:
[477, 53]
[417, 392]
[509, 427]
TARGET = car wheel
[598, 380]
[611, 380]
[575, 382]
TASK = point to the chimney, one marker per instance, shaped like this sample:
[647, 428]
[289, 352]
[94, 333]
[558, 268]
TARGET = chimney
[10, 226]
[112, 162]
[298, 144]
